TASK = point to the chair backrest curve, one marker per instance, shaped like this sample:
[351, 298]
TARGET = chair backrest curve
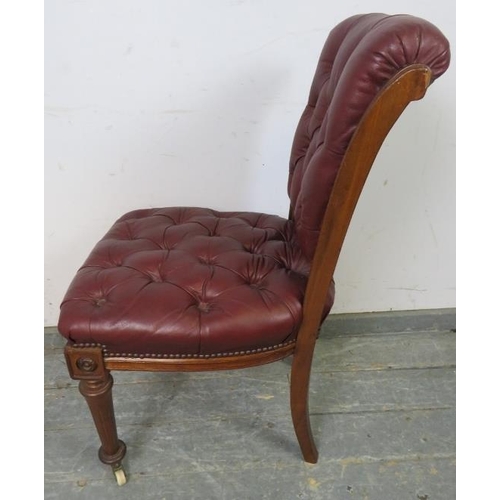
[360, 57]
[408, 85]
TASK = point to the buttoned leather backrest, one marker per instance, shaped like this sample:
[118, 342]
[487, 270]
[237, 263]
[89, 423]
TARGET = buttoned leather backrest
[360, 56]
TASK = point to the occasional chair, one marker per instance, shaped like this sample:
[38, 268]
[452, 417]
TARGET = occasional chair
[195, 289]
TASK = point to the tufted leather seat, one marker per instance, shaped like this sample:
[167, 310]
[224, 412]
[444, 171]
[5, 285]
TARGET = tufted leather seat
[189, 281]
[193, 289]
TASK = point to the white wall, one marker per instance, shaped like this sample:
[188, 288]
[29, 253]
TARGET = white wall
[163, 103]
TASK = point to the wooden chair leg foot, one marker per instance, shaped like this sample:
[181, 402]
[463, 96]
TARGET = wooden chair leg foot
[299, 396]
[304, 434]
[114, 459]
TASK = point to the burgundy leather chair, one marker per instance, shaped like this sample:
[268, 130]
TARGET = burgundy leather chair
[191, 289]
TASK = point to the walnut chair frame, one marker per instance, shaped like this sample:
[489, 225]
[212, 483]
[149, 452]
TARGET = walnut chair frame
[88, 364]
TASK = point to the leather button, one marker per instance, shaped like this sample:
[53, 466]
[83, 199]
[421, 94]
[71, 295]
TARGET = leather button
[208, 261]
[204, 306]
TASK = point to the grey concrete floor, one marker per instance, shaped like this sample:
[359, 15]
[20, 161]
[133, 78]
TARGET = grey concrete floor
[383, 413]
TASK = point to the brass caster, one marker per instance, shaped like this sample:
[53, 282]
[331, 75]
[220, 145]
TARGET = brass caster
[120, 476]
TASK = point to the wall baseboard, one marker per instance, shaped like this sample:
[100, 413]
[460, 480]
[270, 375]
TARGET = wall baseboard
[379, 322]
[390, 322]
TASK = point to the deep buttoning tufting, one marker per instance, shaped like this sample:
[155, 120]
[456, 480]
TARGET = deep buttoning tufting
[360, 56]
[189, 281]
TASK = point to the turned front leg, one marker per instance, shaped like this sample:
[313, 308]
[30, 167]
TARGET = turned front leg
[87, 365]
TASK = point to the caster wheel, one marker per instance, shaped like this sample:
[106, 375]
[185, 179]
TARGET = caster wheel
[120, 476]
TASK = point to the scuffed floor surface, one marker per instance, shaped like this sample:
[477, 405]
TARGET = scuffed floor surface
[382, 411]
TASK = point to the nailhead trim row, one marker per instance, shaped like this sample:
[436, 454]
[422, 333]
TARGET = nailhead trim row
[185, 356]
